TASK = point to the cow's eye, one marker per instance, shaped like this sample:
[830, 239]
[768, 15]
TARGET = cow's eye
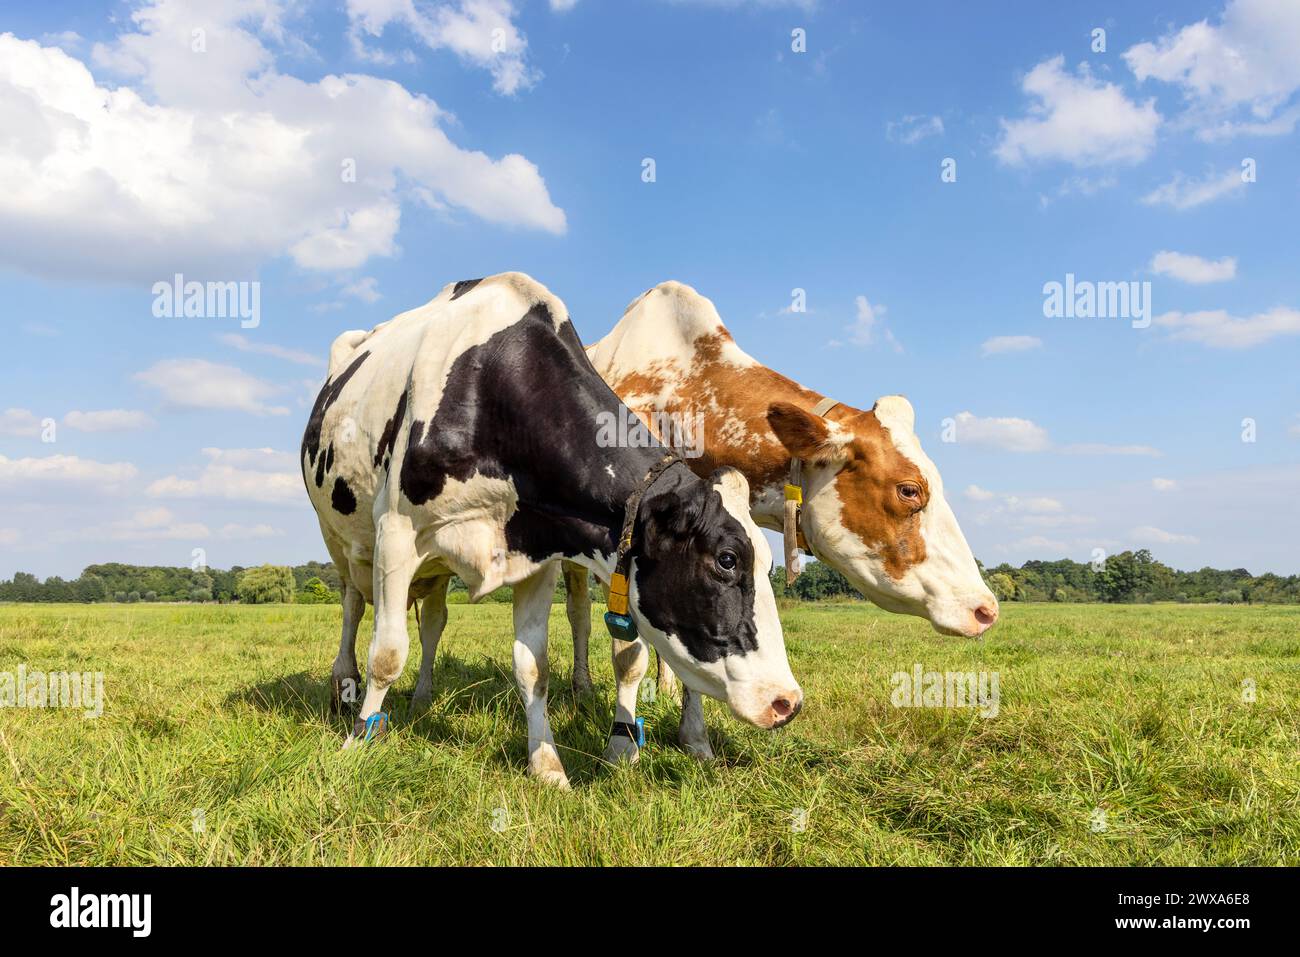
[910, 493]
[727, 560]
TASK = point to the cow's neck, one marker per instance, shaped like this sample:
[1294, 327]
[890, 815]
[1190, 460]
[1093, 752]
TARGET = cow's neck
[579, 511]
[765, 462]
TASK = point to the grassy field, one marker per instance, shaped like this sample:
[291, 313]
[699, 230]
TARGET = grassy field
[1122, 737]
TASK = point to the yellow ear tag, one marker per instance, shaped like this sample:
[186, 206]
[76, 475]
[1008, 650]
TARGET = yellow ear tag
[793, 493]
[618, 594]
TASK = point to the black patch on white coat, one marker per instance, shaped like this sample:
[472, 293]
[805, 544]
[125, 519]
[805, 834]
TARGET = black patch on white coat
[344, 502]
[389, 435]
[462, 287]
[329, 394]
[523, 407]
[681, 587]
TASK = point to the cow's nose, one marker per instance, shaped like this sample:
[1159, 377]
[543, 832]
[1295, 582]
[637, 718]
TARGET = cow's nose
[985, 616]
[785, 707]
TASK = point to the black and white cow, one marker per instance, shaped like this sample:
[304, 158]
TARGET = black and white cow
[463, 437]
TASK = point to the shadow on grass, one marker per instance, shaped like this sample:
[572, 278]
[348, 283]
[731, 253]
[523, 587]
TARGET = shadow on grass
[459, 687]
[482, 687]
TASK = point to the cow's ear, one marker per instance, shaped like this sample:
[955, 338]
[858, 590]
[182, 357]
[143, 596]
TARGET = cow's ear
[670, 512]
[807, 436]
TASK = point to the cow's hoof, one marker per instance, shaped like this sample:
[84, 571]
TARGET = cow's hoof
[552, 778]
[582, 686]
[621, 750]
[697, 747]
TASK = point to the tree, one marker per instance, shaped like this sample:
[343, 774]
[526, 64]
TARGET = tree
[1124, 576]
[819, 580]
[266, 584]
[91, 587]
[1004, 587]
[316, 592]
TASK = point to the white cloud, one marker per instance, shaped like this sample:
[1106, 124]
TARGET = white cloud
[1150, 535]
[262, 460]
[244, 344]
[366, 289]
[1000, 344]
[1024, 512]
[1035, 506]
[1182, 193]
[1010, 434]
[214, 162]
[65, 469]
[977, 494]
[563, 6]
[1036, 543]
[1219, 330]
[200, 384]
[236, 532]
[250, 475]
[1077, 119]
[1164, 484]
[480, 32]
[1022, 435]
[155, 524]
[869, 323]
[1193, 269]
[19, 422]
[1103, 448]
[912, 129]
[1237, 74]
[107, 420]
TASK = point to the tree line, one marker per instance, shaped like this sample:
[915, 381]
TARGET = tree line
[1126, 577]
[116, 582]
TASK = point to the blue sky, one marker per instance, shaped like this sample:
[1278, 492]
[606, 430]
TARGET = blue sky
[139, 140]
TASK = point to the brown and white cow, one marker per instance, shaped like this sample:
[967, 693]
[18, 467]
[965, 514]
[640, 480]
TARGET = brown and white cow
[874, 508]
[462, 438]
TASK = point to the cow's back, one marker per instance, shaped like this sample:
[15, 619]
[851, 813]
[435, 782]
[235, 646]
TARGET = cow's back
[670, 353]
[380, 381]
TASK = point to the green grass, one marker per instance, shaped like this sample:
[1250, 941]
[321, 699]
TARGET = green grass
[1134, 710]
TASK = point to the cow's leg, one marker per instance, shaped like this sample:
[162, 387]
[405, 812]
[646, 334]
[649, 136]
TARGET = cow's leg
[395, 565]
[532, 614]
[665, 680]
[345, 678]
[692, 734]
[631, 660]
[578, 605]
[433, 619]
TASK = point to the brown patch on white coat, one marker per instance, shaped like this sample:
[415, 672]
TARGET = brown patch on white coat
[873, 501]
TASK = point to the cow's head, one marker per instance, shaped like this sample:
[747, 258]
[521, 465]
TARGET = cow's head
[874, 509]
[700, 594]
